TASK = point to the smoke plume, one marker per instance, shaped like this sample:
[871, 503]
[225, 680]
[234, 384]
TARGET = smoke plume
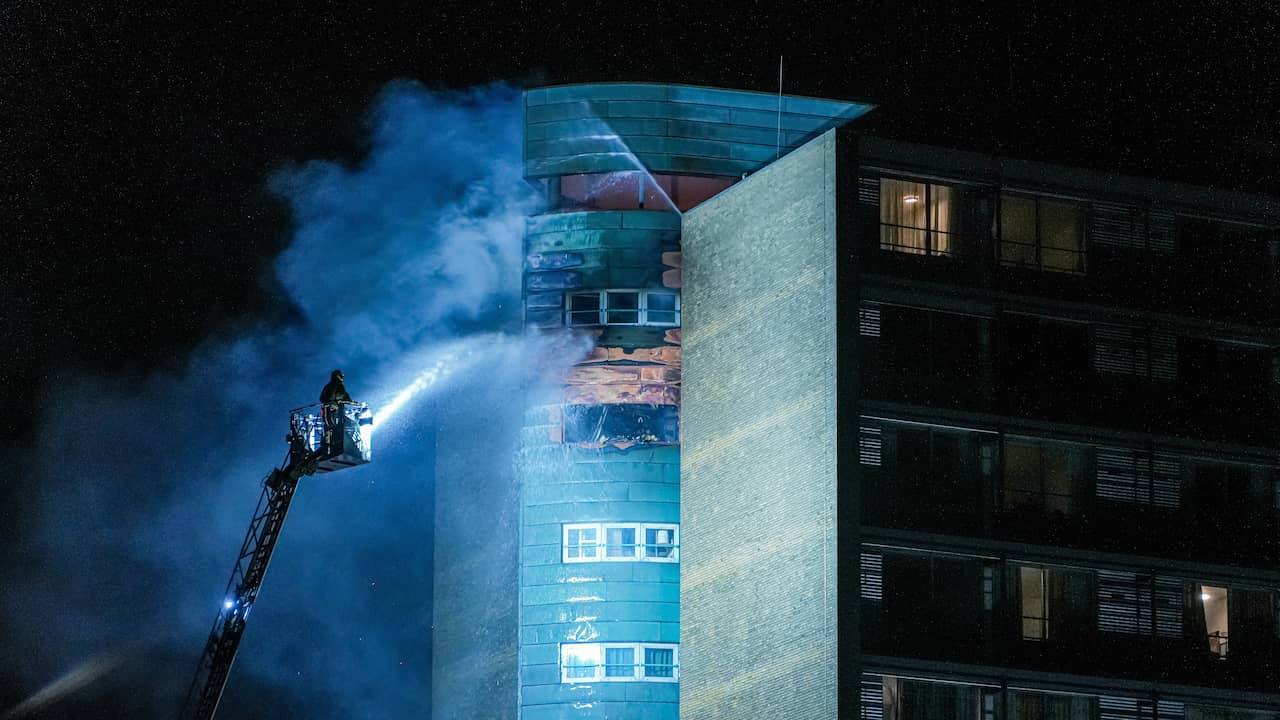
[140, 489]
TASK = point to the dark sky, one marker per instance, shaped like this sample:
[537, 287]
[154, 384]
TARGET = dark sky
[138, 135]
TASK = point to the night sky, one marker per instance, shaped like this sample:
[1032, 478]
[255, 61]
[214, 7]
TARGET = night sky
[138, 138]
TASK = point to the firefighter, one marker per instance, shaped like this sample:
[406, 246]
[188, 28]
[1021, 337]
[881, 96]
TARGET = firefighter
[331, 399]
[335, 392]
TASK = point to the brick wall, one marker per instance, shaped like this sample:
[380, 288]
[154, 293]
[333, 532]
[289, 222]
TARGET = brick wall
[758, 490]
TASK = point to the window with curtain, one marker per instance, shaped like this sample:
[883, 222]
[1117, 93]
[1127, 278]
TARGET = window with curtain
[1055, 603]
[619, 662]
[918, 218]
[1033, 600]
[614, 542]
[923, 700]
[1027, 705]
[659, 662]
[1043, 478]
[1042, 233]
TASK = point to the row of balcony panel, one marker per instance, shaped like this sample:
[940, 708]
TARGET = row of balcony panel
[1143, 379]
[1069, 619]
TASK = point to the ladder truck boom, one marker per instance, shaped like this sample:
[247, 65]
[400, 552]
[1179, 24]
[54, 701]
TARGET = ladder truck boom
[321, 439]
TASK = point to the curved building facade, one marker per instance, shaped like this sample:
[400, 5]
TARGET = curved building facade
[600, 537]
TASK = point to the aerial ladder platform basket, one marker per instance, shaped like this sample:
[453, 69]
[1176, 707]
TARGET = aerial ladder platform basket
[322, 438]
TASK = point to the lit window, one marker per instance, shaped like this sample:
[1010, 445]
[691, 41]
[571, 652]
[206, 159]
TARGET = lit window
[1213, 601]
[917, 218]
[579, 662]
[619, 662]
[659, 308]
[1041, 234]
[1035, 616]
[622, 542]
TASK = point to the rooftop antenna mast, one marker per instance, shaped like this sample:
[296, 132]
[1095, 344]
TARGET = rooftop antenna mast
[777, 150]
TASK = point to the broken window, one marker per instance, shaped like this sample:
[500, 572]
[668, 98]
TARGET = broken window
[1040, 233]
[621, 423]
[600, 191]
[917, 217]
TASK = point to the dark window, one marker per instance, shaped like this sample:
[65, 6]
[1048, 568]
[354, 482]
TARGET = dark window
[1042, 478]
[1042, 234]
[1229, 263]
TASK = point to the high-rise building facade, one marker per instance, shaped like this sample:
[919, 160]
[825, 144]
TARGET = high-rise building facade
[972, 437]
[962, 436]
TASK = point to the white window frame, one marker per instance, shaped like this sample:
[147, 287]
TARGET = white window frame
[637, 541]
[597, 671]
[638, 651]
[564, 542]
[675, 542]
[639, 553]
[602, 314]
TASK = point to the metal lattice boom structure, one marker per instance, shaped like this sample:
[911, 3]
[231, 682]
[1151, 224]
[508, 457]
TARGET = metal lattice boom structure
[314, 447]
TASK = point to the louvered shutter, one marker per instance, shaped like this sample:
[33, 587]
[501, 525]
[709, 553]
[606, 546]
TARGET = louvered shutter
[1117, 350]
[872, 697]
[1170, 710]
[1168, 607]
[871, 576]
[1124, 603]
[1117, 708]
[1117, 226]
[869, 320]
[1163, 356]
[1123, 475]
[1161, 229]
[1166, 480]
[870, 445]
[869, 191]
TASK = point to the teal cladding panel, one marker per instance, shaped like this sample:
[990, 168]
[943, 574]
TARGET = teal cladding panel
[668, 128]
[593, 601]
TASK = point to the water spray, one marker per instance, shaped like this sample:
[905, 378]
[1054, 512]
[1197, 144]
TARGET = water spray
[424, 380]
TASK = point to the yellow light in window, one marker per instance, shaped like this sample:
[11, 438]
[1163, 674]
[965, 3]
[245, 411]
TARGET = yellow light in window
[1205, 596]
[911, 199]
